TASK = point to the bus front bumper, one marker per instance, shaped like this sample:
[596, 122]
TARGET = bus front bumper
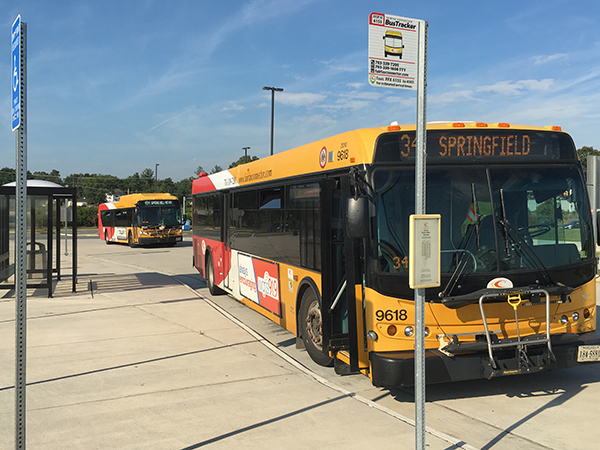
[153, 240]
[394, 369]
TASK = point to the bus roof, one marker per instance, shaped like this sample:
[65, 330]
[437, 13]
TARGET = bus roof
[130, 200]
[348, 149]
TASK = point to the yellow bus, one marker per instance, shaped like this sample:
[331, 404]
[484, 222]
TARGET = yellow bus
[141, 219]
[393, 44]
[316, 239]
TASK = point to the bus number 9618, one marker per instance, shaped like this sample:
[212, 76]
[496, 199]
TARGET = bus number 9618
[391, 314]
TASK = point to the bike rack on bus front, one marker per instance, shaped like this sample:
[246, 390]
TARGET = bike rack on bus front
[514, 300]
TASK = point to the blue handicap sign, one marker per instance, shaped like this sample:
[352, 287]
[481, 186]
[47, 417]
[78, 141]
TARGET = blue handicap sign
[15, 73]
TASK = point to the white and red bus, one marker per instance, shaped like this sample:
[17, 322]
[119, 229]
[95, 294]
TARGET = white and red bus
[141, 219]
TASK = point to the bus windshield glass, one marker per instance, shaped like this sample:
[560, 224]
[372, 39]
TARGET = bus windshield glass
[494, 220]
[159, 215]
[393, 41]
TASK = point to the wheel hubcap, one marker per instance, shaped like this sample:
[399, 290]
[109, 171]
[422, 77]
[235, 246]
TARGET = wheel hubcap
[314, 325]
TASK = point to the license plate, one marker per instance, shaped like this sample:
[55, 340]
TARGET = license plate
[588, 353]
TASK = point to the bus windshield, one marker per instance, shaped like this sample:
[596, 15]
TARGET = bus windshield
[157, 216]
[393, 41]
[494, 220]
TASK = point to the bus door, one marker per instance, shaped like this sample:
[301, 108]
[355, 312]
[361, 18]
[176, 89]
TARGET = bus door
[339, 277]
[133, 220]
[226, 236]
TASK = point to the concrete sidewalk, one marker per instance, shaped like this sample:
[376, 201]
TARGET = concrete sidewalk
[147, 362]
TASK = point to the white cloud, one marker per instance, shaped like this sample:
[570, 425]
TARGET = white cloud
[233, 106]
[402, 101]
[345, 64]
[165, 83]
[354, 100]
[362, 95]
[451, 97]
[169, 119]
[543, 59]
[309, 121]
[517, 87]
[355, 85]
[299, 99]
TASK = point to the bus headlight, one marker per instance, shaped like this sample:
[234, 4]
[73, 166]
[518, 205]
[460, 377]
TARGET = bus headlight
[410, 331]
[564, 319]
[372, 335]
[575, 316]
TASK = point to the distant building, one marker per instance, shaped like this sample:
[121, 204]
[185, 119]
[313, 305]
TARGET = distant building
[115, 196]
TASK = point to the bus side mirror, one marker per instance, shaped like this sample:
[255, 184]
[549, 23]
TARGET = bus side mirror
[597, 227]
[357, 218]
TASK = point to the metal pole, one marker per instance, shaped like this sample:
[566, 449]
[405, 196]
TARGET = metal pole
[272, 116]
[66, 225]
[272, 89]
[156, 177]
[21, 252]
[420, 206]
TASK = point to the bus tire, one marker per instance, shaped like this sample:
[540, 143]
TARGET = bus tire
[130, 240]
[311, 328]
[210, 277]
[106, 239]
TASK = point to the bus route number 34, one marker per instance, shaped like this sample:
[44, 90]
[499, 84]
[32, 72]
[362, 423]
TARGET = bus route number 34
[391, 314]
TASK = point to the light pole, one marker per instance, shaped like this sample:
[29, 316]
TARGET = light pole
[246, 153]
[156, 177]
[272, 89]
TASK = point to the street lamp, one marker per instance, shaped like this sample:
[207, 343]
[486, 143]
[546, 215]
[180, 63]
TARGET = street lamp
[156, 177]
[272, 89]
[246, 153]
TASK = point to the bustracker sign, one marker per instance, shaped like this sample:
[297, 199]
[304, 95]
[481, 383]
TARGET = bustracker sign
[393, 51]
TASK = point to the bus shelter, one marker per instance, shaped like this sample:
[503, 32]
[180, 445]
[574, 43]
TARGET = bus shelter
[44, 200]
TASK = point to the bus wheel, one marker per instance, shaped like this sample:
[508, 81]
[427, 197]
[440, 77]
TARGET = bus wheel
[106, 238]
[130, 240]
[210, 277]
[311, 328]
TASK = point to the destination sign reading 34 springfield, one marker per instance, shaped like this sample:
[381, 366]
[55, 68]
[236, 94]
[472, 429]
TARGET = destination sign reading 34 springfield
[393, 46]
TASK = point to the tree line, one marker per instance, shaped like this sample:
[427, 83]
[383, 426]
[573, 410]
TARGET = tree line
[94, 188]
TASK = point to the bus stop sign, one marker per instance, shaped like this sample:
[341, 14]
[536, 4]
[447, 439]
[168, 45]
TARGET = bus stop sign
[393, 51]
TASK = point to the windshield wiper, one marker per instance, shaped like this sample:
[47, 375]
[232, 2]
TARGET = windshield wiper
[504, 222]
[462, 260]
[521, 246]
[476, 211]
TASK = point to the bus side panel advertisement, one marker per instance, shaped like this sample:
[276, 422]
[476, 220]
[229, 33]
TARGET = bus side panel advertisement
[121, 233]
[259, 282]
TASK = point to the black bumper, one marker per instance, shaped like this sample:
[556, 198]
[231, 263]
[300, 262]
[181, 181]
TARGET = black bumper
[160, 240]
[394, 369]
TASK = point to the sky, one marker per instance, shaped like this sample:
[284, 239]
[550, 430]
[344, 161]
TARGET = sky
[115, 87]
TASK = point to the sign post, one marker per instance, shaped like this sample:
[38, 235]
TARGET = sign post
[19, 125]
[398, 59]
